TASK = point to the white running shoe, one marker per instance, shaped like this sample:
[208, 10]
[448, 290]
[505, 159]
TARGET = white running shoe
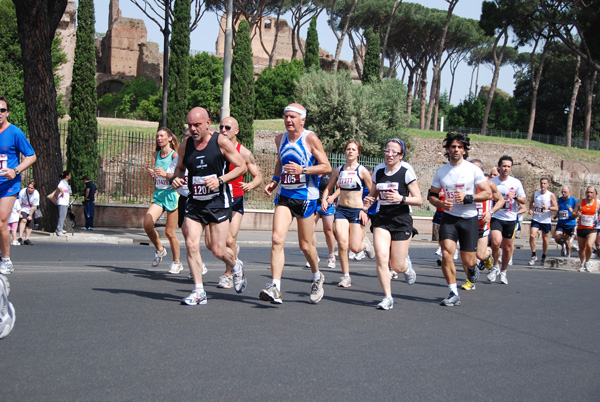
[204, 269]
[369, 249]
[351, 255]
[7, 313]
[345, 282]
[503, 279]
[15, 243]
[316, 289]
[438, 251]
[225, 282]
[581, 268]
[510, 261]
[271, 294]
[158, 256]
[195, 298]
[6, 266]
[393, 274]
[176, 268]
[456, 254]
[531, 261]
[239, 278]
[493, 273]
[331, 262]
[410, 275]
[359, 256]
[586, 266]
[386, 304]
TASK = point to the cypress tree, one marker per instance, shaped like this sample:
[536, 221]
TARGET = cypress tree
[242, 84]
[311, 56]
[372, 58]
[82, 138]
[179, 69]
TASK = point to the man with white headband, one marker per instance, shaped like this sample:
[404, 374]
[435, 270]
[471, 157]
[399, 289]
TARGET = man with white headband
[301, 160]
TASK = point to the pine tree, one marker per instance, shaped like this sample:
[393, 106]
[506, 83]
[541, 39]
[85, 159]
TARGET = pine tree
[372, 58]
[82, 139]
[311, 57]
[179, 70]
[242, 84]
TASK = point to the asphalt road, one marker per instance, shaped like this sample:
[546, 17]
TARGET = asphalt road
[95, 322]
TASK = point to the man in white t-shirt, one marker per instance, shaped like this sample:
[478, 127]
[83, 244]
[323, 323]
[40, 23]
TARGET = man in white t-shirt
[460, 181]
[504, 221]
[30, 201]
[541, 205]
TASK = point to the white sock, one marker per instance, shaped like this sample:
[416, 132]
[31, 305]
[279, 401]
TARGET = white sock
[453, 288]
[346, 276]
[236, 267]
[277, 283]
[316, 276]
[199, 287]
[5, 259]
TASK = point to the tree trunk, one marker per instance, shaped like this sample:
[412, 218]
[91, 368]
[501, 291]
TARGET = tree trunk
[423, 96]
[261, 25]
[387, 34]
[358, 60]
[471, 84]
[340, 38]
[36, 23]
[409, 97]
[436, 108]
[535, 84]
[165, 92]
[437, 61]
[477, 79]
[497, 65]
[576, 84]
[588, 85]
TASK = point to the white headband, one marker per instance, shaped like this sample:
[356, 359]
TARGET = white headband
[301, 112]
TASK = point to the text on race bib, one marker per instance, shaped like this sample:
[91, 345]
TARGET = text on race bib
[385, 190]
[200, 190]
[346, 180]
[161, 183]
[293, 181]
[587, 220]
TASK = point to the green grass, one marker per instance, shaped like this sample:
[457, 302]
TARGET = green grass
[275, 124]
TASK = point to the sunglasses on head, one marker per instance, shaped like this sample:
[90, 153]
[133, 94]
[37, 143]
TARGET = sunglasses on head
[221, 127]
[3, 110]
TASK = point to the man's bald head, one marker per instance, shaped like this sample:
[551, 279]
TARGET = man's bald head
[198, 123]
[233, 130]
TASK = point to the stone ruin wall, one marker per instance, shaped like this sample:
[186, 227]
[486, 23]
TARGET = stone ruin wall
[66, 31]
[284, 49]
[122, 54]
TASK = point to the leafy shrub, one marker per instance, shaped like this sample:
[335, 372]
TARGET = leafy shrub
[129, 98]
[206, 84]
[275, 88]
[339, 110]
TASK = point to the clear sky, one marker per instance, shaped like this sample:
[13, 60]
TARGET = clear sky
[205, 37]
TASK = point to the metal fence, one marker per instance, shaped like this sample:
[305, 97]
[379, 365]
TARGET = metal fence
[125, 156]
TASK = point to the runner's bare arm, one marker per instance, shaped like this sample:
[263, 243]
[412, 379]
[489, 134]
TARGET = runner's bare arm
[252, 169]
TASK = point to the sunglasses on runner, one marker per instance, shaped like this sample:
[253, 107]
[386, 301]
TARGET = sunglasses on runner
[221, 127]
[3, 110]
